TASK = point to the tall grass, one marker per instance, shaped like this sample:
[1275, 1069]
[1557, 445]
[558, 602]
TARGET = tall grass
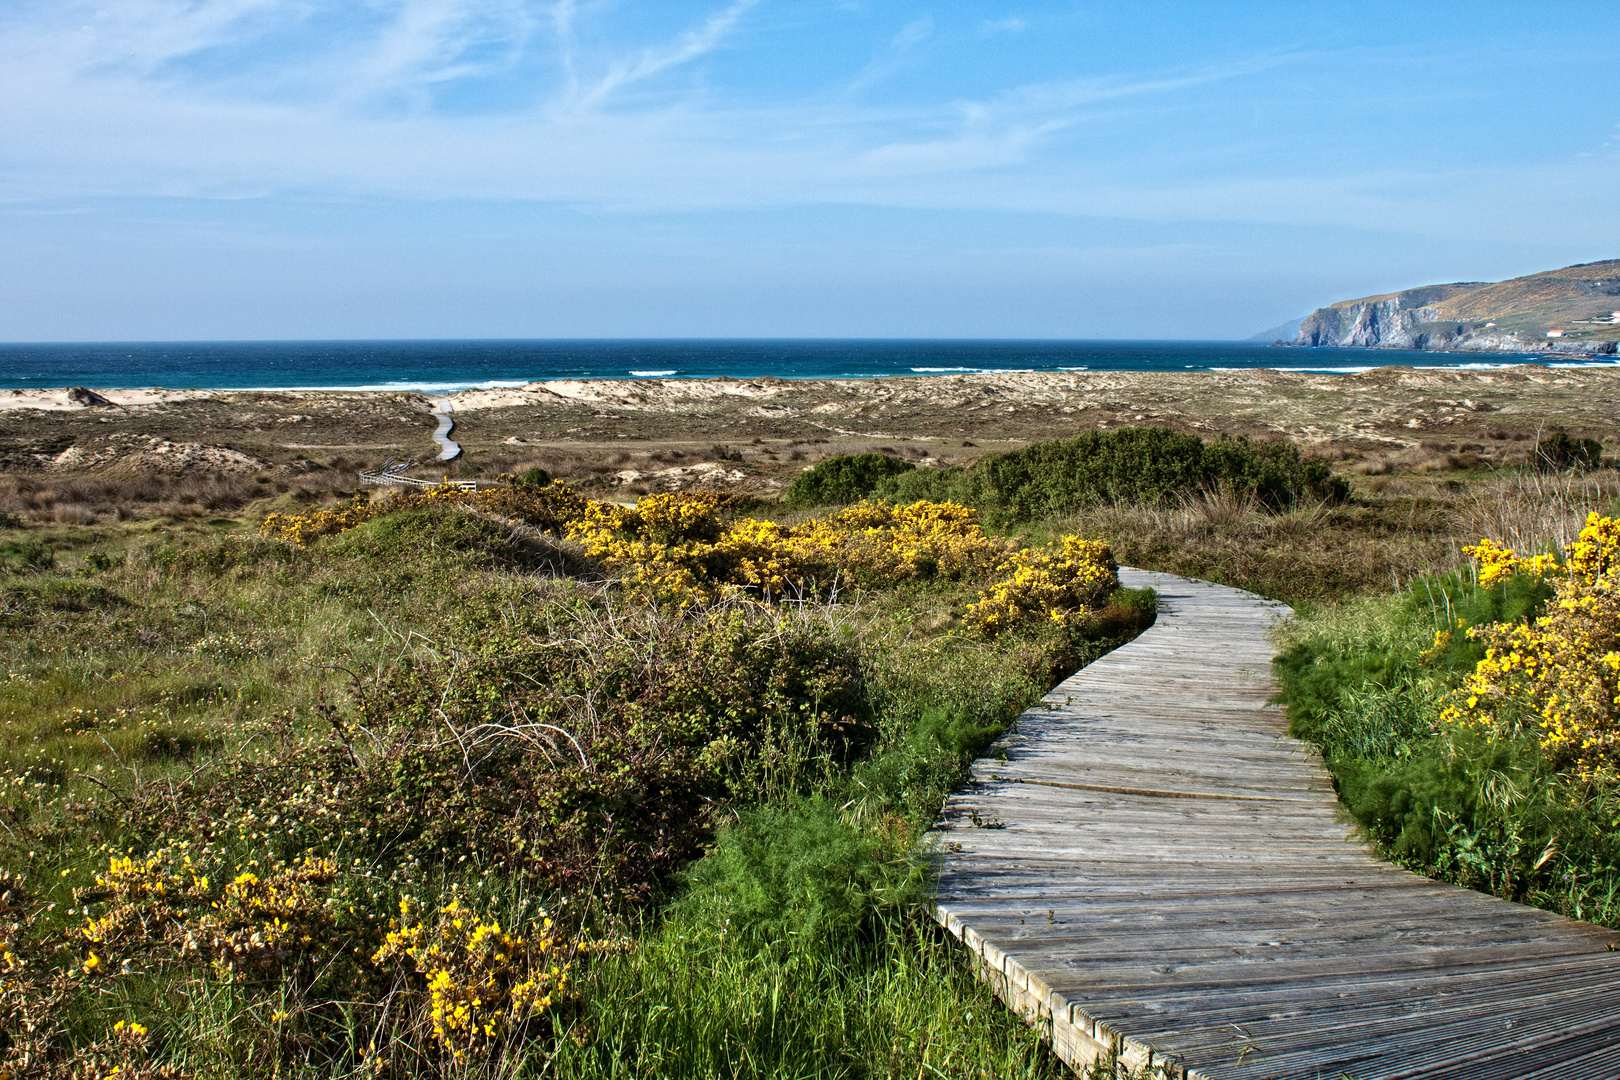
[1309, 552]
[1535, 510]
[423, 709]
[1368, 682]
[690, 1003]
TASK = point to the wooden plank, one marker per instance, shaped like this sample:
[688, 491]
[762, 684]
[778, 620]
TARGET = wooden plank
[1169, 872]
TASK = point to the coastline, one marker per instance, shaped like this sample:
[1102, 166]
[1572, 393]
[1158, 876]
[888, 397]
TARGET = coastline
[1478, 346]
[754, 434]
[440, 368]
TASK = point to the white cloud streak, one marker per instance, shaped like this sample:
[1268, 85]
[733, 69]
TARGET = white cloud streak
[244, 98]
[655, 60]
[893, 58]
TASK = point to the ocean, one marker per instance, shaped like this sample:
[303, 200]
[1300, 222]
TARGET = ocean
[447, 366]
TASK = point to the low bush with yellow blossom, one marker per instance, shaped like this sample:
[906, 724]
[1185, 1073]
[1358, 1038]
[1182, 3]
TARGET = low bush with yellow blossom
[303, 529]
[669, 547]
[476, 983]
[877, 543]
[1472, 720]
[1560, 672]
[270, 918]
[1048, 585]
[281, 931]
[680, 548]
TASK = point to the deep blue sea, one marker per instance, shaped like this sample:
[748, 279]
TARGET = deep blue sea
[446, 366]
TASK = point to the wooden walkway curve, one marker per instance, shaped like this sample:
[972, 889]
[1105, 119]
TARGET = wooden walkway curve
[1147, 861]
[441, 412]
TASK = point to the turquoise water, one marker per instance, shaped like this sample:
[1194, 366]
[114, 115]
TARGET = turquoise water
[453, 365]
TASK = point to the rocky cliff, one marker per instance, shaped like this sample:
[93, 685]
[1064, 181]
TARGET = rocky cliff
[1569, 311]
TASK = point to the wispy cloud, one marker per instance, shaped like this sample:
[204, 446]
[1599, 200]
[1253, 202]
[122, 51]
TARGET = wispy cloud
[651, 61]
[891, 59]
[562, 25]
[1006, 128]
[431, 42]
[591, 102]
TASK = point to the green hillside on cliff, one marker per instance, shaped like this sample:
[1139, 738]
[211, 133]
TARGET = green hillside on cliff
[1571, 310]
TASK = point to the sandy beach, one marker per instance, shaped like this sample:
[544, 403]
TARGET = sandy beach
[753, 433]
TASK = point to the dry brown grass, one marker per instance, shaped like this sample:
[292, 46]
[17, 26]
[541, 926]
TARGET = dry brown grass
[1422, 459]
[1311, 553]
[1534, 511]
[85, 499]
[1398, 527]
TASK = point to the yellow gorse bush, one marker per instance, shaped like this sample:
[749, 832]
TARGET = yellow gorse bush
[1564, 668]
[251, 919]
[885, 542]
[1496, 563]
[481, 982]
[1054, 585]
[665, 546]
[679, 549]
[475, 981]
[303, 528]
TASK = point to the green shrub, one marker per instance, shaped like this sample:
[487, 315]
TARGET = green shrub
[1125, 465]
[842, 478]
[686, 716]
[800, 878]
[1276, 474]
[402, 535]
[1559, 453]
[535, 477]
[1144, 465]
[1128, 465]
[952, 484]
[99, 562]
[26, 553]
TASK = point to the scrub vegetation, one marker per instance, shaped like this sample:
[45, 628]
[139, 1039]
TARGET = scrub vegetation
[509, 782]
[1470, 718]
[513, 782]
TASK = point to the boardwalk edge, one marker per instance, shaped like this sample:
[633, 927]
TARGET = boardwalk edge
[1078, 1040]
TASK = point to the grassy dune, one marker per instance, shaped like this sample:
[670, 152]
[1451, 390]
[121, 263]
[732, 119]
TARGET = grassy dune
[448, 794]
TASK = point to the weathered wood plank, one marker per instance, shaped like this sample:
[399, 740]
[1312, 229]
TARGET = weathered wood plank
[1165, 870]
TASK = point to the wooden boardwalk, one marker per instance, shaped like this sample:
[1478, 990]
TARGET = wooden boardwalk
[441, 412]
[1148, 861]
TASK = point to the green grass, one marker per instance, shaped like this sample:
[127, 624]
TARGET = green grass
[736, 798]
[691, 1003]
[198, 693]
[1367, 682]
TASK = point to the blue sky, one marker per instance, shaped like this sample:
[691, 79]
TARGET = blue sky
[183, 169]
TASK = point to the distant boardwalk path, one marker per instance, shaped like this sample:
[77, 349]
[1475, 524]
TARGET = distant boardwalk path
[1148, 860]
[441, 412]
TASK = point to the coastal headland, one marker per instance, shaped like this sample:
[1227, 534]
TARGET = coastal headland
[753, 435]
[1571, 311]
